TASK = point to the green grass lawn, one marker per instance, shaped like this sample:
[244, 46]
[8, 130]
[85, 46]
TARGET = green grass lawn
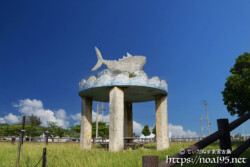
[69, 154]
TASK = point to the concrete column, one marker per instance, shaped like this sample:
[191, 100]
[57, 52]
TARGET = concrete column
[128, 119]
[116, 119]
[86, 123]
[161, 122]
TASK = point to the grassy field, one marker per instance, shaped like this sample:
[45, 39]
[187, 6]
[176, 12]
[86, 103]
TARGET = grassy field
[69, 154]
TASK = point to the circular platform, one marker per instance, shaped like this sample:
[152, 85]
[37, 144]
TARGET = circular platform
[132, 93]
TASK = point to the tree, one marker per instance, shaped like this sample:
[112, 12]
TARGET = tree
[10, 130]
[60, 132]
[236, 94]
[33, 126]
[103, 129]
[33, 120]
[146, 131]
[76, 128]
[52, 130]
[55, 130]
[4, 130]
[71, 133]
[154, 130]
[33, 131]
[14, 130]
[238, 135]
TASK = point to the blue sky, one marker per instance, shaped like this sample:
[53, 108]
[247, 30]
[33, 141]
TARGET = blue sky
[47, 47]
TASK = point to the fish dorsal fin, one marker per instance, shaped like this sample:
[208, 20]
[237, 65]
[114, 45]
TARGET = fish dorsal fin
[129, 55]
[125, 57]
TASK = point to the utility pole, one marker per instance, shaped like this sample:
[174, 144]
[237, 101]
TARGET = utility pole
[102, 108]
[97, 113]
[201, 127]
[208, 128]
[102, 111]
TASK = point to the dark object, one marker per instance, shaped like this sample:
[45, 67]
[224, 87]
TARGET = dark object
[225, 140]
[236, 153]
[105, 145]
[20, 142]
[149, 161]
[46, 137]
[243, 147]
[246, 164]
[13, 139]
[130, 144]
[44, 157]
[22, 132]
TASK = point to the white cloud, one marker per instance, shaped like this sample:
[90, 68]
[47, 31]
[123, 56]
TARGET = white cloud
[10, 119]
[150, 136]
[77, 118]
[35, 107]
[2, 121]
[137, 127]
[28, 106]
[61, 114]
[105, 117]
[178, 130]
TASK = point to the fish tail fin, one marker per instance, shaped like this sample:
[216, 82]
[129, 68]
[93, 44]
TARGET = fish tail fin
[99, 57]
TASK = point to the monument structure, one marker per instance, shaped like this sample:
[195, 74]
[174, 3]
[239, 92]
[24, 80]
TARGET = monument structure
[122, 84]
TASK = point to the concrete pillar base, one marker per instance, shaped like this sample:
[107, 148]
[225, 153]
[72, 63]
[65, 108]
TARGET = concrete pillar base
[116, 119]
[161, 122]
[86, 123]
[128, 119]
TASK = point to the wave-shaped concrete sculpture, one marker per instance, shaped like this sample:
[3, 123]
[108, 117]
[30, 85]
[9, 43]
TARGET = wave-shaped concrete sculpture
[109, 77]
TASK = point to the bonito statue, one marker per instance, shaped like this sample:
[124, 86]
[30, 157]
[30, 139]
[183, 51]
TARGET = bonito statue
[129, 63]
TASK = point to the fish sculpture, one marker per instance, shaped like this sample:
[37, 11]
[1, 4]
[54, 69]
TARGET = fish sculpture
[129, 63]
